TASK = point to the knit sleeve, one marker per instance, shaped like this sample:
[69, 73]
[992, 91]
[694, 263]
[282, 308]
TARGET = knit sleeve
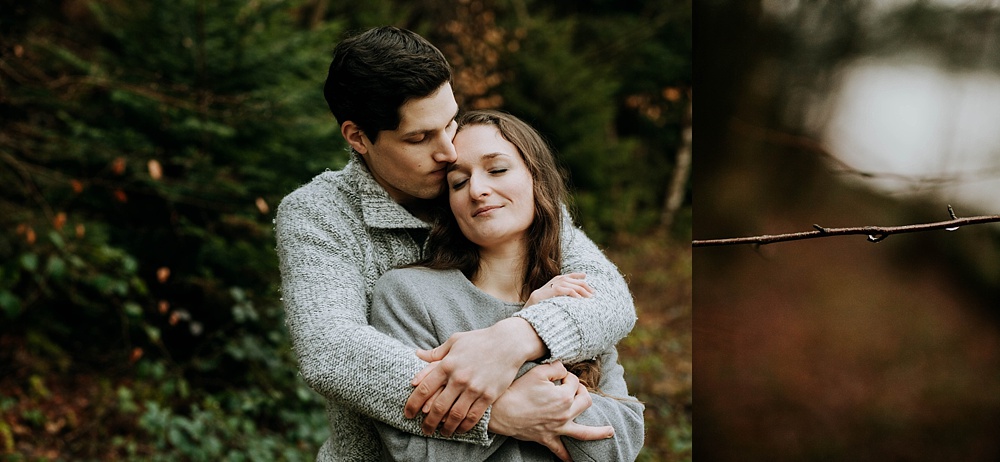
[323, 291]
[612, 406]
[576, 329]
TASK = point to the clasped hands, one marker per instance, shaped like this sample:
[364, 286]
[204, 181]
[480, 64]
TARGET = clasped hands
[476, 369]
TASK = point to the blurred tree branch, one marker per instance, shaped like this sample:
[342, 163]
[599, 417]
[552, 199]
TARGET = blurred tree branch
[874, 233]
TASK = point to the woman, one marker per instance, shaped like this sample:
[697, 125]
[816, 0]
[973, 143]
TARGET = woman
[497, 252]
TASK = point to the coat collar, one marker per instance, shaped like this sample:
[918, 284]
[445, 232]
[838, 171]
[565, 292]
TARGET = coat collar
[377, 207]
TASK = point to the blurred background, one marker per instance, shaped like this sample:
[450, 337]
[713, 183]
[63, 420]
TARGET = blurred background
[847, 113]
[144, 146]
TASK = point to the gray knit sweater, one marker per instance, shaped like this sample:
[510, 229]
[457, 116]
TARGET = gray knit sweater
[336, 236]
[423, 307]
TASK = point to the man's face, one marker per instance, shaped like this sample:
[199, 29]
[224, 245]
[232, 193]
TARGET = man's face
[410, 161]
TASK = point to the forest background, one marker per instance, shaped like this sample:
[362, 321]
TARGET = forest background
[144, 146]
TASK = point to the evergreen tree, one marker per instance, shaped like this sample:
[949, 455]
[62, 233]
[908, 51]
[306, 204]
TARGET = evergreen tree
[144, 146]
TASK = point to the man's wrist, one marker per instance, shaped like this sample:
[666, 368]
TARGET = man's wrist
[519, 334]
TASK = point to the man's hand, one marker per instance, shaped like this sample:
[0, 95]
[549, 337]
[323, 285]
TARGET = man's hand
[469, 372]
[535, 408]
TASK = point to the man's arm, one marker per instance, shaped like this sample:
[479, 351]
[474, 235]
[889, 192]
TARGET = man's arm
[323, 291]
[576, 329]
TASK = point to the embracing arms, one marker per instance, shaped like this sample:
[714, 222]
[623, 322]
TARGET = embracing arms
[559, 328]
[421, 307]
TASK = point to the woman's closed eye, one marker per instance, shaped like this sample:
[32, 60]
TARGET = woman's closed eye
[459, 183]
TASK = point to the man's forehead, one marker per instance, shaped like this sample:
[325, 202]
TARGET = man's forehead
[424, 121]
[430, 113]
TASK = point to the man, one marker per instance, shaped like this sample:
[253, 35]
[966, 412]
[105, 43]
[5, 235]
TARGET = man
[390, 91]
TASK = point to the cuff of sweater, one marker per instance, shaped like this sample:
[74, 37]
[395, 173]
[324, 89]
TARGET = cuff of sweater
[560, 336]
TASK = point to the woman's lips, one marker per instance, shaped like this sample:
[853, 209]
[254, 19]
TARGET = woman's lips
[485, 209]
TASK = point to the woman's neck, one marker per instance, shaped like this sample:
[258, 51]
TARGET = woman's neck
[501, 272]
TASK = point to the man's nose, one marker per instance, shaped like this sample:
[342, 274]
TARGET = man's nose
[445, 151]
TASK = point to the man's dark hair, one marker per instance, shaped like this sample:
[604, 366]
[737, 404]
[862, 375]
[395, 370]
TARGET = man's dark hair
[376, 72]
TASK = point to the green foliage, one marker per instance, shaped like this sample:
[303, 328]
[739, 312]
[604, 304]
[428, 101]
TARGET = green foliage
[144, 148]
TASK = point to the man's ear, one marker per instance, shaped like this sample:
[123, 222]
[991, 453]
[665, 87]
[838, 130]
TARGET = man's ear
[354, 136]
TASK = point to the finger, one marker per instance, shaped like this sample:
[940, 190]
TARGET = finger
[439, 408]
[423, 372]
[586, 287]
[576, 275]
[458, 412]
[572, 382]
[579, 290]
[581, 401]
[475, 413]
[551, 371]
[585, 433]
[424, 389]
[427, 406]
[426, 355]
[556, 446]
[438, 353]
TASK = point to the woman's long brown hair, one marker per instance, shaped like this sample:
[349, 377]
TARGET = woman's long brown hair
[448, 248]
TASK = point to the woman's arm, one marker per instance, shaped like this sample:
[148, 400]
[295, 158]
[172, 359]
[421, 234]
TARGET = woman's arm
[612, 406]
[323, 291]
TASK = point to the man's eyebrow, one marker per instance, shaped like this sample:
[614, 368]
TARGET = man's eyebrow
[426, 130]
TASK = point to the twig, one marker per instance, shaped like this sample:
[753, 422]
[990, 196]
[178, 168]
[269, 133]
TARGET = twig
[874, 233]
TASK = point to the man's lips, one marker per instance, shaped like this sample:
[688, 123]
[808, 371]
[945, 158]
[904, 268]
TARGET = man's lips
[485, 209]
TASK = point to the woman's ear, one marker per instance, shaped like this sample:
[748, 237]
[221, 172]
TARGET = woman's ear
[354, 136]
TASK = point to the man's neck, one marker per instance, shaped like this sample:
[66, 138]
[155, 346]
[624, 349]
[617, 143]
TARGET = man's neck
[422, 209]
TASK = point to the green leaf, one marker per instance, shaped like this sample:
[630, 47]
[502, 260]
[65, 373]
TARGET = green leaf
[10, 304]
[55, 267]
[57, 239]
[153, 333]
[133, 309]
[29, 261]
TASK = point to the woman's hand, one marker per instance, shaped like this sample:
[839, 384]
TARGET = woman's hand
[468, 373]
[572, 284]
[535, 408]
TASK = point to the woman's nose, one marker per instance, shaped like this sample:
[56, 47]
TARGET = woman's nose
[478, 188]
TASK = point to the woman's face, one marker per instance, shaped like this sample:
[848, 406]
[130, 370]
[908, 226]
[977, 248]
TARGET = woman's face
[490, 188]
